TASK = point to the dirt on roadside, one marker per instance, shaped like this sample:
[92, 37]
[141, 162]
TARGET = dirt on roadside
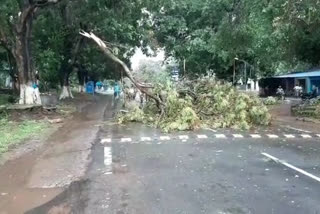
[282, 117]
[29, 179]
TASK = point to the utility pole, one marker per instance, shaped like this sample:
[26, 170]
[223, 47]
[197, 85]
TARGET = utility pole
[234, 71]
[184, 67]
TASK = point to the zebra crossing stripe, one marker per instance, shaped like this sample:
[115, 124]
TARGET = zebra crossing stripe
[255, 136]
[306, 136]
[237, 136]
[202, 136]
[289, 136]
[126, 140]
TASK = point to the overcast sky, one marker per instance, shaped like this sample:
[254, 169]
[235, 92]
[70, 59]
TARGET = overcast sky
[139, 56]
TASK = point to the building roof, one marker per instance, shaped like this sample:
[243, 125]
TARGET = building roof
[301, 74]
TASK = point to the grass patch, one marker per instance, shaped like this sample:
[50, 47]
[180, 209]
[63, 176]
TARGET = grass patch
[13, 133]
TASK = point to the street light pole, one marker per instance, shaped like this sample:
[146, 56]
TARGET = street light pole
[234, 70]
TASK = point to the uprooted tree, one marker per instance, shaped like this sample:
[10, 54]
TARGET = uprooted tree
[16, 20]
[192, 104]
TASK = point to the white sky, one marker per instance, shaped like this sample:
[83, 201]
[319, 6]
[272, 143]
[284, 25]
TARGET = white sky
[139, 56]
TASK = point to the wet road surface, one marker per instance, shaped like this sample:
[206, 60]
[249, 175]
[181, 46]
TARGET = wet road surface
[134, 171]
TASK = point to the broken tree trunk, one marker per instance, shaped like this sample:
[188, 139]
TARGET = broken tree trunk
[102, 45]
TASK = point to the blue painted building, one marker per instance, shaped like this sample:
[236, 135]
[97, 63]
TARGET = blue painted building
[305, 79]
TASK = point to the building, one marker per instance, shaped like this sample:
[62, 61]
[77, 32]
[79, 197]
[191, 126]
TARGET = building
[305, 79]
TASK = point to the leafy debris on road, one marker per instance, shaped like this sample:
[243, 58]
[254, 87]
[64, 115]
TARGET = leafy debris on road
[204, 102]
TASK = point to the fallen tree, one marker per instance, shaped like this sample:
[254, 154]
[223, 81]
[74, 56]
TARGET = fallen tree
[203, 102]
[144, 88]
[191, 103]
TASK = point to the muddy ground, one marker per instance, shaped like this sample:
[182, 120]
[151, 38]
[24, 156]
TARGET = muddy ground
[42, 168]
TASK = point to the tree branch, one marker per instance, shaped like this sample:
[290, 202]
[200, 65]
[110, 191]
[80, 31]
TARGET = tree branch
[127, 71]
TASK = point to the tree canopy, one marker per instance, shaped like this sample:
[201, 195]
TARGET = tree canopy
[42, 36]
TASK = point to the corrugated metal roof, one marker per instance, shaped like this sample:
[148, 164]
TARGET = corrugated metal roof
[302, 74]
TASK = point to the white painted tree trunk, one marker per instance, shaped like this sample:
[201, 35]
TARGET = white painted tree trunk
[81, 89]
[29, 95]
[65, 93]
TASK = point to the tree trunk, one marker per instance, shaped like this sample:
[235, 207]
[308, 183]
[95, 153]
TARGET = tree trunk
[82, 79]
[29, 91]
[66, 91]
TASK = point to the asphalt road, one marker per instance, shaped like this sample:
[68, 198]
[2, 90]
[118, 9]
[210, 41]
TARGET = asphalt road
[136, 171]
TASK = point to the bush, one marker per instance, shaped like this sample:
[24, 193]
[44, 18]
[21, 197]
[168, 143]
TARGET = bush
[270, 101]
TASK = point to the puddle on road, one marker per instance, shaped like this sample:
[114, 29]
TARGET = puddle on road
[73, 199]
[14, 197]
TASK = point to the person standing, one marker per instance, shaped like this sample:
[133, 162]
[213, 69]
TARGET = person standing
[297, 90]
[116, 89]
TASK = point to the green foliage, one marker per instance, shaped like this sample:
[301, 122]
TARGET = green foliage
[179, 114]
[204, 102]
[13, 133]
[270, 101]
[135, 115]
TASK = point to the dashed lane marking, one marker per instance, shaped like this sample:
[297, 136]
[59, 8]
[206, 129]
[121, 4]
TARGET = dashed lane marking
[145, 138]
[202, 136]
[306, 136]
[126, 140]
[164, 138]
[220, 136]
[289, 136]
[255, 136]
[277, 160]
[273, 136]
[237, 135]
[183, 137]
[105, 140]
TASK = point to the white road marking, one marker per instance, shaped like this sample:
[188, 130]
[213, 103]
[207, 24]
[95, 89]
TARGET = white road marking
[183, 137]
[237, 135]
[272, 136]
[126, 139]
[306, 136]
[277, 160]
[255, 136]
[289, 136]
[145, 138]
[220, 136]
[300, 130]
[108, 160]
[105, 140]
[202, 136]
[164, 138]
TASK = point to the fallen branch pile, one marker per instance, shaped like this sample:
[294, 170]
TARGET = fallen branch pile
[202, 102]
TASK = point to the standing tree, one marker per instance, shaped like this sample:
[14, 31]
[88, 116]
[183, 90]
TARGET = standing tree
[16, 21]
